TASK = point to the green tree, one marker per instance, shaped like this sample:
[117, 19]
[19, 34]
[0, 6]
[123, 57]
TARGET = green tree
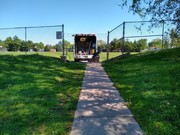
[9, 44]
[35, 47]
[175, 38]
[166, 42]
[58, 47]
[13, 44]
[115, 44]
[128, 46]
[29, 45]
[2, 44]
[23, 46]
[67, 44]
[156, 9]
[101, 44]
[47, 48]
[141, 44]
[16, 43]
[41, 45]
[155, 43]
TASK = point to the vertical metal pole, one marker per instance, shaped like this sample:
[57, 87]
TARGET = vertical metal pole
[25, 33]
[63, 37]
[25, 39]
[123, 38]
[107, 46]
[163, 36]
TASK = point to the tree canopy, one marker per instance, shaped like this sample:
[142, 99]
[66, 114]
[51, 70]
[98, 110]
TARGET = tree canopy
[136, 46]
[101, 44]
[175, 38]
[158, 10]
[16, 44]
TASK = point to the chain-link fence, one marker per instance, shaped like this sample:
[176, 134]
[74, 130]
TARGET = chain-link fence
[36, 38]
[126, 37]
[141, 36]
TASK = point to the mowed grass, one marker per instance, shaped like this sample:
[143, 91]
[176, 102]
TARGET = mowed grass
[70, 55]
[150, 84]
[38, 93]
[103, 55]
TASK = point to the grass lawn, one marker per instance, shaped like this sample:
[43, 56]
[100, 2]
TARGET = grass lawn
[38, 93]
[103, 55]
[150, 84]
[70, 55]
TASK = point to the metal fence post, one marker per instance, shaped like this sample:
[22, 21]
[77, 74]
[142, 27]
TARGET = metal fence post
[25, 28]
[107, 46]
[163, 35]
[123, 37]
[63, 37]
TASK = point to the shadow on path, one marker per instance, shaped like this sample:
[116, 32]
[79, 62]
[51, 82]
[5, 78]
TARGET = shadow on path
[101, 110]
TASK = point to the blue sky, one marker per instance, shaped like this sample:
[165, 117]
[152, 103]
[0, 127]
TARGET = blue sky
[78, 16]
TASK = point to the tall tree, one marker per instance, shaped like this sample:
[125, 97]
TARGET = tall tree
[23, 47]
[115, 44]
[2, 44]
[101, 44]
[67, 44]
[166, 42]
[141, 44]
[41, 45]
[156, 9]
[129, 47]
[37, 46]
[29, 45]
[175, 38]
[9, 44]
[16, 43]
[47, 48]
[155, 43]
[58, 47]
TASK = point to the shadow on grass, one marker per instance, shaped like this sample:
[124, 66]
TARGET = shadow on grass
[38, 94]
[150, 84]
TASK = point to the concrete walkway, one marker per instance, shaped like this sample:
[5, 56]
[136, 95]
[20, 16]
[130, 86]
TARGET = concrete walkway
[101, 110]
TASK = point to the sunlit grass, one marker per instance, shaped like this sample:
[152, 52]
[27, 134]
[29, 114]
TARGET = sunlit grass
[150, 84]
[103, 55]
[38, 93]
[70, 55]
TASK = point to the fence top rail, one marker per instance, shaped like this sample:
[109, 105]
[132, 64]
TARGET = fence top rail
[151, 21]
[31, 27]
[143, 36]
[116, 28]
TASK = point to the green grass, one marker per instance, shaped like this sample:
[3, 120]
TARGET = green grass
[38, 93]
[49, 54]
[103, 55]
[150, 84]
[70, 55]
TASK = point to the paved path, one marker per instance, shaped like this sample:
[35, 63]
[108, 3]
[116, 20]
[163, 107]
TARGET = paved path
[101, 110]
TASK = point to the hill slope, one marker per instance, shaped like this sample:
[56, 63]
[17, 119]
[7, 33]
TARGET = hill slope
[150, 84]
